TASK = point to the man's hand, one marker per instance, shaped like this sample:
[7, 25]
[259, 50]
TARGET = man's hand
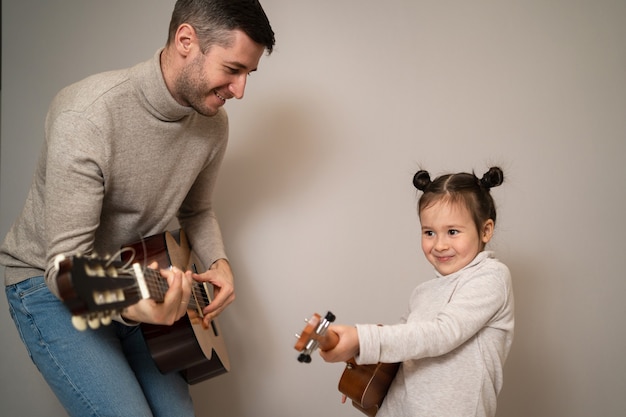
[174, 304]
[220, 276]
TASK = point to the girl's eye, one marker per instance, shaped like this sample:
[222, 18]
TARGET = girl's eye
[453, 232]
[429, 233]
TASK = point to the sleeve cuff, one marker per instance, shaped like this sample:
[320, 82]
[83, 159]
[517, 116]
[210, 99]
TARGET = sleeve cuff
[118, 318]
[369, 344]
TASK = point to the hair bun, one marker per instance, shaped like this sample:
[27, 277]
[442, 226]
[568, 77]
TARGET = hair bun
[492, 178]
[421, 180]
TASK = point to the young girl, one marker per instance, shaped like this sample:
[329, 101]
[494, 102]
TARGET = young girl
[456, 335]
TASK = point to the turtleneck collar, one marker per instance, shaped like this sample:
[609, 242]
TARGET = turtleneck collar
[478, 259]
[148, 80]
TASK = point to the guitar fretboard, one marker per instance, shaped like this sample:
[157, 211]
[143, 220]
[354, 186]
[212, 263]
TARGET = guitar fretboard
[157, 287]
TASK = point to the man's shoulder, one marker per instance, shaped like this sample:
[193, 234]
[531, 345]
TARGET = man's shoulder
[90, 88]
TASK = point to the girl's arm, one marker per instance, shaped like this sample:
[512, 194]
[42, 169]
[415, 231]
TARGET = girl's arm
[484, 301]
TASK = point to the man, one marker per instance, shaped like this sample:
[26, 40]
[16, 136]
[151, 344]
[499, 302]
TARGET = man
[126, 152]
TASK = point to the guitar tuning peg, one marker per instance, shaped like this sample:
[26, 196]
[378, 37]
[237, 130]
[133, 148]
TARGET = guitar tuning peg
[94, 322]
[105, 320]
[79, 323]
[57, 261]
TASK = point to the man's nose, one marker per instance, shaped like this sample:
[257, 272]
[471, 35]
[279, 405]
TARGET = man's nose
[238, 87]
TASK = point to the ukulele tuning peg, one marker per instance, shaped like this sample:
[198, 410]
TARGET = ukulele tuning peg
[105, 320]
[297, 336]
[79, 322]
[304, 358]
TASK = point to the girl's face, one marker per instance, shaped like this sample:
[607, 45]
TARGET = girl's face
[450, 240]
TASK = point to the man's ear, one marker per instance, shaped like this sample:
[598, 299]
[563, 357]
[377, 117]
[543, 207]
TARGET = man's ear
[487, 231]
[185, 39]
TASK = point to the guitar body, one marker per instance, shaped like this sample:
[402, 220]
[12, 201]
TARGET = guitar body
[95, 289]
[198, 353]
[176, 348]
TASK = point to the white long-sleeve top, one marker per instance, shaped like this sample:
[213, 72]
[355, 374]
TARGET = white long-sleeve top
[452, 343]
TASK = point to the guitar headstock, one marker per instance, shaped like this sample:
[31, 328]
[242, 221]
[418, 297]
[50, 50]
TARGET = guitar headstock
[94, 289]
[313, 336]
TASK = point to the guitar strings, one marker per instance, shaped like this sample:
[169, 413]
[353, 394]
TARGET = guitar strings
[157, 286]
[126, 266]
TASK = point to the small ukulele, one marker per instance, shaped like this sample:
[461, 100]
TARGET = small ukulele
[365, 385]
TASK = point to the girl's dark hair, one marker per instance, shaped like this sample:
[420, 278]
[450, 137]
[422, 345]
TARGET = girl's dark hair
[214, 20]
[463, 188]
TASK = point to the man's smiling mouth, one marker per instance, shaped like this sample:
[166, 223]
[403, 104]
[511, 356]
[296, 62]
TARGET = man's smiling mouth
[220, 97]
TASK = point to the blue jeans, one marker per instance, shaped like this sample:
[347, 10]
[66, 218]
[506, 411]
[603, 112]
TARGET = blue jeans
[106, 372]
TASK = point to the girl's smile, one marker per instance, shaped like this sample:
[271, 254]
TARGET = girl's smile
[450, 238]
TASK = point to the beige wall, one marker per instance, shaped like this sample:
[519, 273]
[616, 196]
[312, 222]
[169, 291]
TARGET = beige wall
[315, 196]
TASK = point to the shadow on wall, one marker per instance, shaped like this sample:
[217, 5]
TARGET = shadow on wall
[530, 350]
[277, 160]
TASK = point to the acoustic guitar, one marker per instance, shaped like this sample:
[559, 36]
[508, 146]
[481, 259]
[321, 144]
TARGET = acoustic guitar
[94, 289]
[365, 385]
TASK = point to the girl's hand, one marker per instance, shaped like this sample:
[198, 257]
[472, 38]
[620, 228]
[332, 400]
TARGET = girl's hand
[347, 347]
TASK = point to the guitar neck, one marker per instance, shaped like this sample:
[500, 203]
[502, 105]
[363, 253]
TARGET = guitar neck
[156, 287]
[328, 340]
[316, 334]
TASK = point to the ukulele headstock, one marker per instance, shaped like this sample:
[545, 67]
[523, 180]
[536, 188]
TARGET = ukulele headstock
[312, 335]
